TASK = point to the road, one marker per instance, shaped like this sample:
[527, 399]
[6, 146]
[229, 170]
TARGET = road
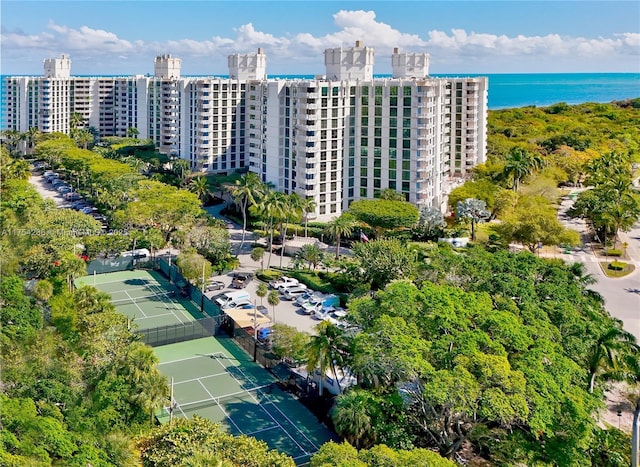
[621, 295]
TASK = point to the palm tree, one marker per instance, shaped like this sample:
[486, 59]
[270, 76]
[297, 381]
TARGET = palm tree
[326, 349]
[137, 164]
[291, 209]
[12, 139]
[200, 186]
[308, 205]
[312, 255]
[262, 291]
[132, 132]
[351, 419]
[257, 254]
[72, 267]
[391, 194]
[272, 208]
[33, 134]
[245, 193]
[340, 227]
[608, 358]
[181, 168]
[82, 137]
[519, 164]
[273, 299]
[16, 169]
[76, 121]
[137, 362]
[151, 392]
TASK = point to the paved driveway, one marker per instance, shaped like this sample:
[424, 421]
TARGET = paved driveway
[285, 312]
[621, 295]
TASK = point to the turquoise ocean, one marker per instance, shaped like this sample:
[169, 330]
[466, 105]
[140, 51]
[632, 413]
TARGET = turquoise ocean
[520, 90]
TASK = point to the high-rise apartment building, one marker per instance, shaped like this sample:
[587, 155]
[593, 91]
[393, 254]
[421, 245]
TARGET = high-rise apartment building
[339, 137]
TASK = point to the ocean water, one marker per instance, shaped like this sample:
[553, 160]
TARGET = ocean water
[520, 90]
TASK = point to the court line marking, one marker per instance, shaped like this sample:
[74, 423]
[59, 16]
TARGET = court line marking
[195, 356]
[138, 319]
[281, 412]
[221, 408]
[199, 378]
[133, 288]
[271, 416]
[122, 280]
[251, 433]
[175, 307]
[138, 307]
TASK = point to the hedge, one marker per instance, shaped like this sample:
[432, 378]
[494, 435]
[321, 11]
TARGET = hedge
[613, 252]
[617, 265]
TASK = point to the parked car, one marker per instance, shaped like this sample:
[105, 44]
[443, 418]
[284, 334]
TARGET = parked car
[307, 296]
[214, 285]
[88, 209]
[80, 204]
[293, 292]
[337, 312]
[284, 288]
[262, 309]
[241, 279]
[72, 196]
[310, 308]
[284, 280]
[64, 189]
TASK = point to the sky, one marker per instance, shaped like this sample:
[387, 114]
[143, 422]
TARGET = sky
[461, 37]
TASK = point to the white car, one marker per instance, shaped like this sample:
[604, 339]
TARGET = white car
[310, 308]
[294, 292]
[284, 280]
[284, 288]
[308, 296]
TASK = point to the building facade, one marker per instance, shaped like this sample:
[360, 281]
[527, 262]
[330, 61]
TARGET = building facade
[339, 137]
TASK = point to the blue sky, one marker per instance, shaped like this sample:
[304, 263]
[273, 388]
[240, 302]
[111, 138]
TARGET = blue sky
[123, 37]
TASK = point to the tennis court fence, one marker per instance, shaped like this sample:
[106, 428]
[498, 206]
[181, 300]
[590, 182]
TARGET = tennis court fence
[166, 265]
[181, 332]
[262, 354]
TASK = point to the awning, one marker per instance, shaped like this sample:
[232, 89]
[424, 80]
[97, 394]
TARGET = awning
[245, 317]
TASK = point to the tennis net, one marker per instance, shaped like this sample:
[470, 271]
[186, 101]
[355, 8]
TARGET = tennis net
[253, 394]
[165, 297]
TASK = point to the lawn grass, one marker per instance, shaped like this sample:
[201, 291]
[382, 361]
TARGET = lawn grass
[615, 274]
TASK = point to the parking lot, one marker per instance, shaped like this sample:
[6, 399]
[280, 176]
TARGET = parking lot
[286, 312]
[50, 185]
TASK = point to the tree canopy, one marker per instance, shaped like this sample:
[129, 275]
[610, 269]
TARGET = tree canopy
[383, 214]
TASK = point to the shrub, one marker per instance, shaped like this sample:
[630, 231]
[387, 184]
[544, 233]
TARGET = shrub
[613, 252]
[268, 275]
[617, 265]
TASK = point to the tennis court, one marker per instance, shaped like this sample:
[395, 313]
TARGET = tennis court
[217, 380]
[144, 296]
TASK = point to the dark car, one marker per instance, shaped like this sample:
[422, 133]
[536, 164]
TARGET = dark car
[240, 280]
[214, 285]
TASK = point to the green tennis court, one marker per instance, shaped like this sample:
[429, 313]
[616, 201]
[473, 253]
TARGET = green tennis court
[144, 296]
[217, 380]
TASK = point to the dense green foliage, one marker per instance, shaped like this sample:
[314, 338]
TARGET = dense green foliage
[567, 135]
[183, 443]
[344, 455]
[383, 214]
[513, 334]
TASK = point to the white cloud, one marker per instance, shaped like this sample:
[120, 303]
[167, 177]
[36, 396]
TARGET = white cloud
[454, 46]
